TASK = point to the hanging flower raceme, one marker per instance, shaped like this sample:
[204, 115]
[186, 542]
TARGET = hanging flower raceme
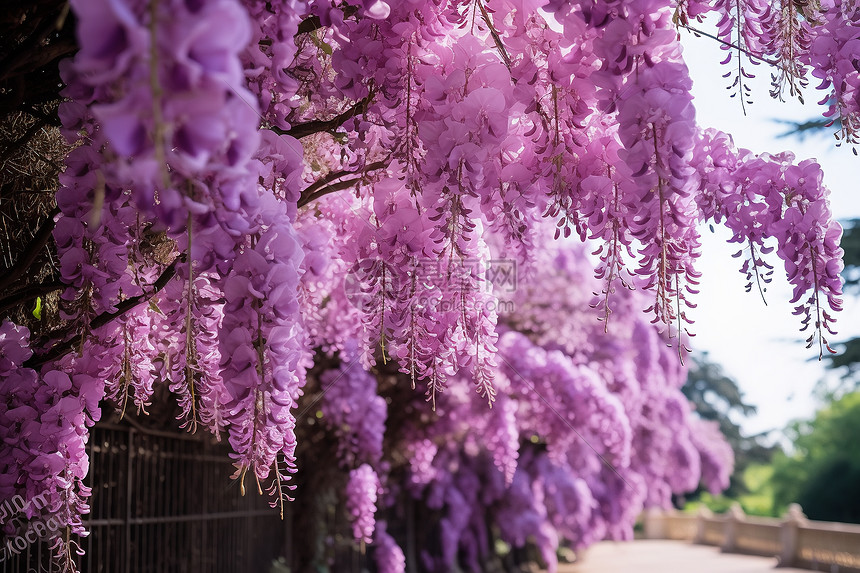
[388, 556]
[185, 328]
[362, 490]
[130, 379]
[46, 425]
[269, 55]
[255, 183]
[181, 62]
[715, 453]
[260, 343]
[523, 514]
[353, 410]
[771, 197]
[834, 47]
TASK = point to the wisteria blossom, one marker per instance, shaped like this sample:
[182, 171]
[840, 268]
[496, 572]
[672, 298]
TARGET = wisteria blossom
[384, 202]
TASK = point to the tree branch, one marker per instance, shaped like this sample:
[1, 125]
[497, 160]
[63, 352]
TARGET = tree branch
[19, 60]
[323, 181]
[304, 129]
[340, 186]
[104, 318]
[313, 22]
[41, 238]
[321, 188]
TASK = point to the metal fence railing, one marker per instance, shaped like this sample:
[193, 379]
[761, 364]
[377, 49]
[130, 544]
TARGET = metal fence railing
[165, 503]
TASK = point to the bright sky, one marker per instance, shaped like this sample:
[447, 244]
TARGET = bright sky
[758, 345]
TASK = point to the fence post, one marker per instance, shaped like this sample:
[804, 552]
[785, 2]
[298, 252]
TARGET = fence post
[788, 535]
[655, 523]
[129, 488]
[734, 516]
[701, 517]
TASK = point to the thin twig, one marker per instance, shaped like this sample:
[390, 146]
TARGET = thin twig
[23, 140]
[41, 238]
[496, 38]
[752, 55]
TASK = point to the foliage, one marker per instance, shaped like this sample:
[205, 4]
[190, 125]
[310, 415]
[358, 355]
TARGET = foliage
[260, 200]
[822, 470]
[851, 246]
[758, 499]
[716, 396]
[803, 129]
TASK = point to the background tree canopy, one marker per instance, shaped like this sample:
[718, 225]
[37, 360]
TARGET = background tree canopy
[821, 472]
[716, 396]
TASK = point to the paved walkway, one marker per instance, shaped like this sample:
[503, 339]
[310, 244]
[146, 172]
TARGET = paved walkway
[655, 556]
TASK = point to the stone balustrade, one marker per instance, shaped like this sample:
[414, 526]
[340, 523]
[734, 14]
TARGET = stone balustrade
[794, 540]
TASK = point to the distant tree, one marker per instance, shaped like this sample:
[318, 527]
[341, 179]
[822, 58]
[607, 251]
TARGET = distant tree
[809, 127]
[716, 397]
[823, 470]
[851, 245]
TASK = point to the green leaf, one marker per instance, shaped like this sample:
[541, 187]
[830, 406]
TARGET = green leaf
[154, 307]
[321, 45]
[37, 312]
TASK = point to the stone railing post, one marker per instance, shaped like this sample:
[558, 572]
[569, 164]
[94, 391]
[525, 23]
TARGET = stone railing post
[654, 523]
[734, 516]
[788, 535]
[701, 517]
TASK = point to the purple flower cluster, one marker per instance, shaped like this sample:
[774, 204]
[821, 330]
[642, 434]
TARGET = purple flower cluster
[388, 556]
[270, 53]
[759, 197]
[44, 422]
[354, 411]
[362, 490]
[582, 435]
[168, 141]
[717, 457]
[260, 342]
[465, 131]
[189, 317]
[181, 62]
[833, 47]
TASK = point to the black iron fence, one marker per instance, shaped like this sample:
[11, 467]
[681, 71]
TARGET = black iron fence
[164, 503]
